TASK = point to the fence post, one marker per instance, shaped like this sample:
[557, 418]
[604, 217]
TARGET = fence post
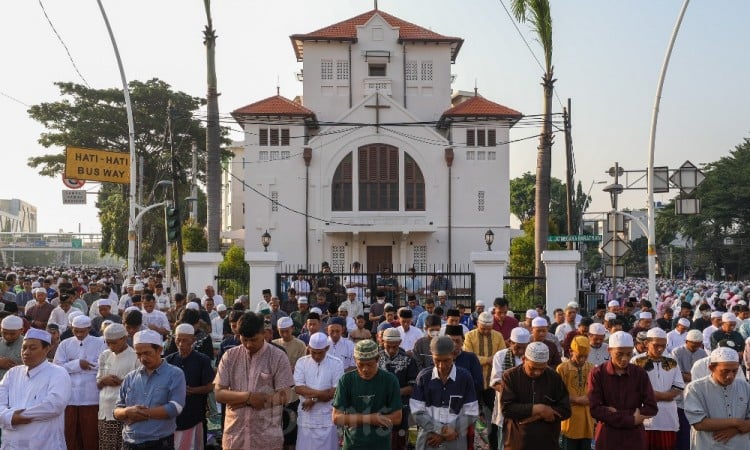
[263, 269]
[561, 277]
[200, 270]
[489, 269]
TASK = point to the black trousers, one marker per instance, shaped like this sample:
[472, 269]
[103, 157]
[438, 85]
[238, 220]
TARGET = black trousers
[165, 443]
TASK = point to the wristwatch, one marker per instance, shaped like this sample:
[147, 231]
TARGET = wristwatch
[315, 399]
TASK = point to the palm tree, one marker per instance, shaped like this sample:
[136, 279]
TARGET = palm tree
[213, 135]
[537, 14]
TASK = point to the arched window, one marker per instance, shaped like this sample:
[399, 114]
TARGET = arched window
[378, 178]
[341, 187]
[413, 185]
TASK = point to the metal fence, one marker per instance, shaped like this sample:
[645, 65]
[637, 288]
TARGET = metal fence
[460, 286]
[522, 292]
[232, 287]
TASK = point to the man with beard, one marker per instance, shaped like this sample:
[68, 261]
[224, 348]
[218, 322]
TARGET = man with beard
[578, 430]
[395, 360]
[534, 402]
[502, 361]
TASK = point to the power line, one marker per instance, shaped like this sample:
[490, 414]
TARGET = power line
[59, 38]
[14, 99]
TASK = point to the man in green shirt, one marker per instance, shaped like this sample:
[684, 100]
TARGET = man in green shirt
[367, 401]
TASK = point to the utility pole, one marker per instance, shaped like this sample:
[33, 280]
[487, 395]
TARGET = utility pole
[194, 185]
[213, 136]
[175, 181]
[569, 190]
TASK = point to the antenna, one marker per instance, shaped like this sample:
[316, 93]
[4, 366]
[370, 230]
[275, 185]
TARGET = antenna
[278, 89]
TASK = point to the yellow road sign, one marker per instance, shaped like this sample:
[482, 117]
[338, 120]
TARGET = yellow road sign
[97, 165]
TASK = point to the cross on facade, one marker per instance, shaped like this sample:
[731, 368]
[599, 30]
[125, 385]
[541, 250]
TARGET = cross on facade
[377, 107]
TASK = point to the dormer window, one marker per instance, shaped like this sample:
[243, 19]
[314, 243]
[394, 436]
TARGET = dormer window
[376, 70]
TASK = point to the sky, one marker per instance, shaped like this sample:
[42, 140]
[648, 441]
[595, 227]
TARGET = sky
[607, 57]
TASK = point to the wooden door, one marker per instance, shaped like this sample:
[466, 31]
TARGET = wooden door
[378, 257]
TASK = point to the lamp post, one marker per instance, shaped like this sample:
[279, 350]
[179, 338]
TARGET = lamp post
[167, 245]
[614, 190]
[265, 239]
[489, 238]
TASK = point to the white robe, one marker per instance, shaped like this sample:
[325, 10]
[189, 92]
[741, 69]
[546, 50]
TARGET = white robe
[315, 428]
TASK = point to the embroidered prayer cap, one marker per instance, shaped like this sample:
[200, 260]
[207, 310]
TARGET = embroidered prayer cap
[221, 307]
[351, 290]
[597, 329]
[539, 322]
[684, 322]
[610, 316]
[148, 337]
[531, 314]
[646, 316]
[728, 317]
[265, 311]
[620, 339]
[302, 300]
[194, 306]
[184, 328]
[479, 303]
[316, 310]
[656, 333]
[365, 349]
[81, 321]
[318, 341]
[284, 322]
[35, 333]
[486, 318]
[442, 294]
[613, 304]
[115, 331]
[391, 335]
[520, 335]
[580, 345]
[73, 314]
[694, 336]
[12, 323]
[716, 314]
[724, 354]
[442, 345]
[573, 305]
[138, 287]
[537, 352]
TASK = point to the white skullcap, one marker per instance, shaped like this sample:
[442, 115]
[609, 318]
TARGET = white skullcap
[315, 309]
[194, 306]
[716, 314]
[537, 352]
[318, 341]
[610, 316]
[724, 354]
[302, 300]
[35, 333]
[684, 322]
[131, 308]
[620, 339]
[351, 291]
[12, 323]
[442, 294]
[148, 337]
[479, 303]
[35, 285]
[138, 287]
[40, 289]
[343, 307]
[391, 335]
[646, 315]
[531, 314]
[81, 321]
[539, 322]
[284, 322]
[694, 336]
[221, 307]
[115, 331]
[572, 305]
[656, 333]
[486, 318]
[184, 328]
[104, 302]
[597, 329]
[73, 314]
[728, 317]
[613, 304]
[520, 335]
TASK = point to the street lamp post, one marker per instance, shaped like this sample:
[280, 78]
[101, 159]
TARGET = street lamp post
[489, 238]
[265, 240]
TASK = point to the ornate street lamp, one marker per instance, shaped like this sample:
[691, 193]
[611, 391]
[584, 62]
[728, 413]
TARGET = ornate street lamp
[265, 239]
[489, 238]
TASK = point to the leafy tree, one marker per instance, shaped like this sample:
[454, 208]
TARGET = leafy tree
[537, 13]
[96, 118]
[522, 191]
[193, 237]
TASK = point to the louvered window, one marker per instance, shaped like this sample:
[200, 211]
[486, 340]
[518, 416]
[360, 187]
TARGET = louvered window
[411, 71]
[263, 136]
[378, 178]
[491, 138]
[413, 185]
[341, 189]
[326, 69]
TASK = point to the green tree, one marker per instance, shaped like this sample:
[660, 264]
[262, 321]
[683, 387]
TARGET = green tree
[96, 118]
[537, 14]
[522, 192]
[235, 273]
[193, 237]
[213, 136]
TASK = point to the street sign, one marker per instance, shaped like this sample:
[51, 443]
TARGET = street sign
[97, 165]
[687, 177]
[617, 245]
[619, 271]
[71, 197]
[575, 238]
[76, 243]
[73, 183]
[615, 223]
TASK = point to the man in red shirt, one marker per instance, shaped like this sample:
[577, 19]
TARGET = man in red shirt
[503, 322]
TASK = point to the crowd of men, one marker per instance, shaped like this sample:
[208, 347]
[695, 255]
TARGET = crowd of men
[85, 367]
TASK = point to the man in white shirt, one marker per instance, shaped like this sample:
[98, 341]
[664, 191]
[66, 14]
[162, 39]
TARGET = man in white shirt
[33, 397]
[61, 312]
[709, 330]
[315, 379]
[211, 293]
[114, 363]
[354, 305]
[598, 351]
[153, 318]
[79, 355]
[357, 283]
[163, 302]
[339, 347]
[409, 334]
[676, 337]
[126, 299]
[569, 325]
[217, 324]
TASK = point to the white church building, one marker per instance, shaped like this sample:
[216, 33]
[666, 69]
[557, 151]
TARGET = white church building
[377, 161]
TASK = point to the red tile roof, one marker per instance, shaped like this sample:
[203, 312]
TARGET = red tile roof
[273, 106]
[478, 106]
[346, 31]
